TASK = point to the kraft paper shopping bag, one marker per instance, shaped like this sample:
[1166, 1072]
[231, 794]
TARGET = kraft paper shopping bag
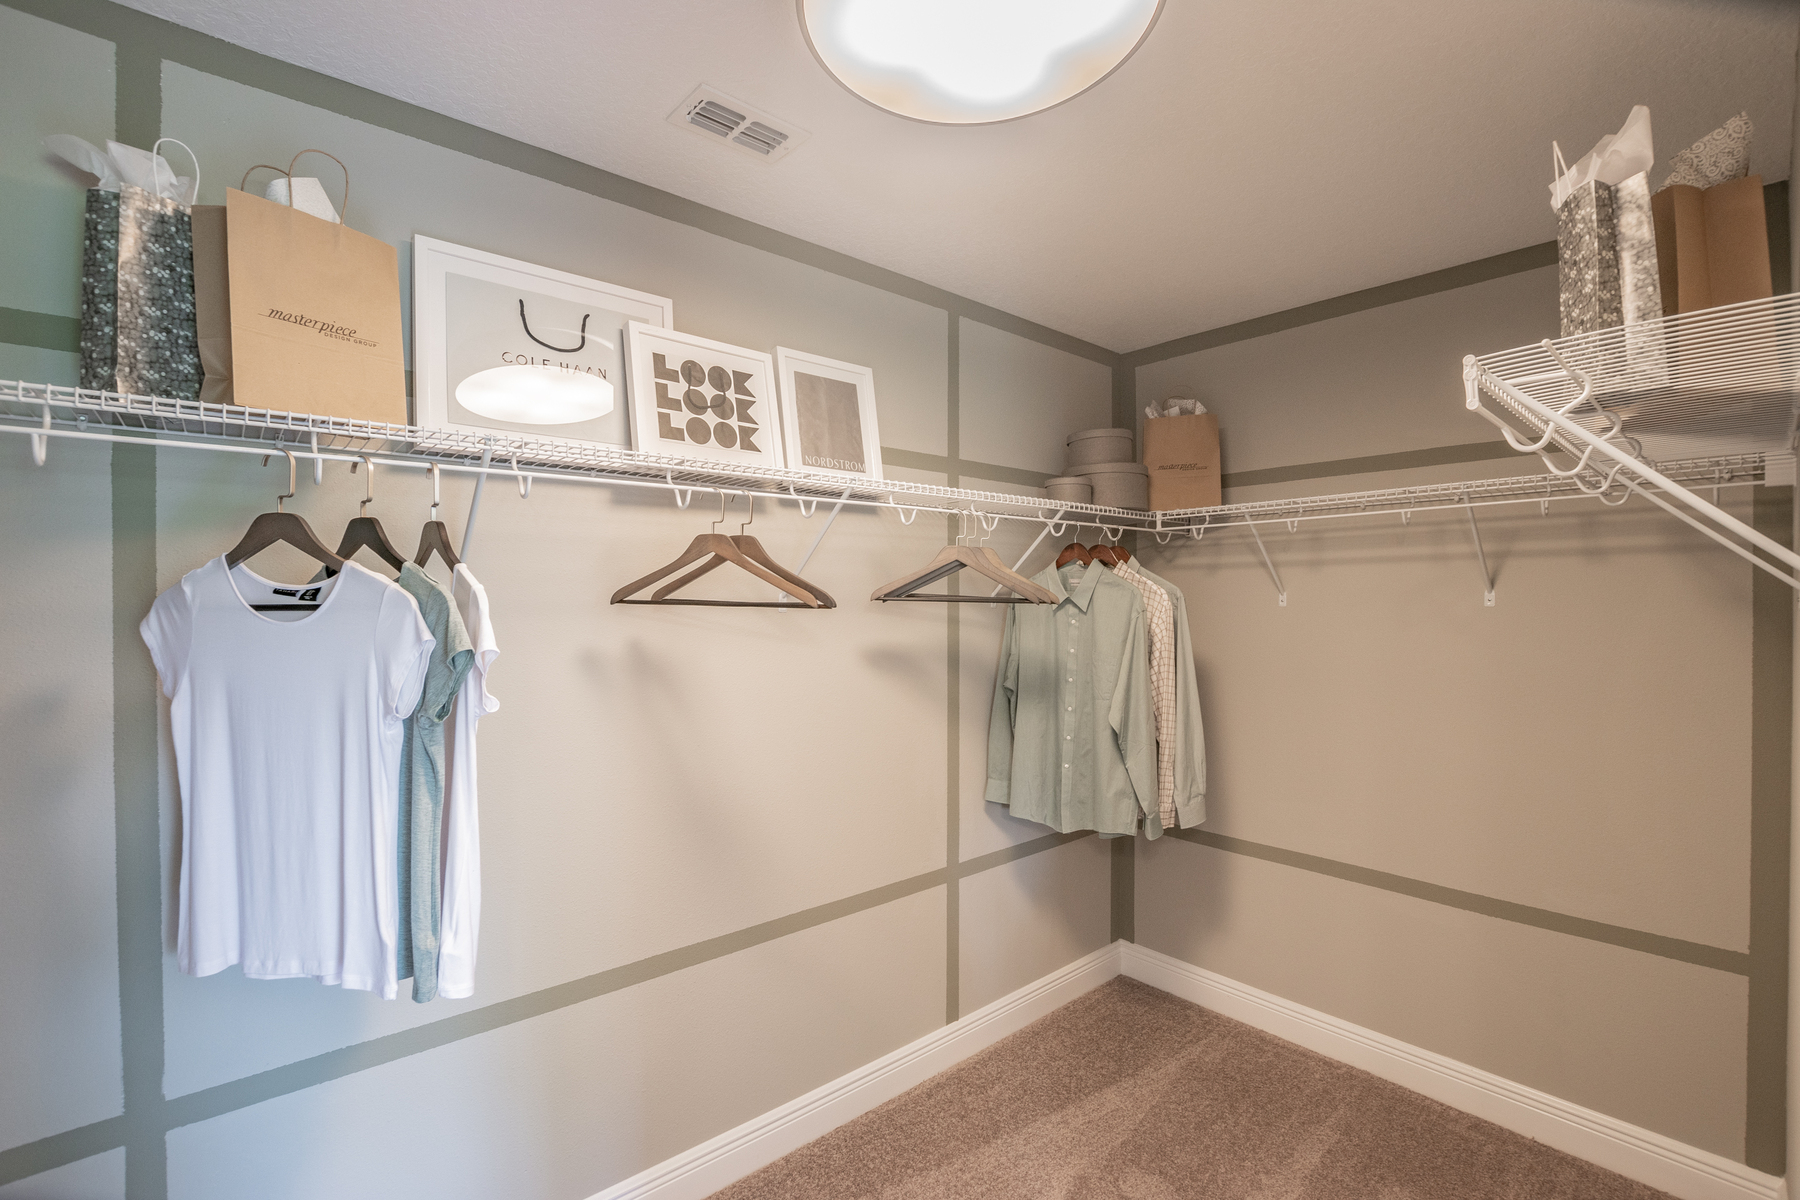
[315, 314]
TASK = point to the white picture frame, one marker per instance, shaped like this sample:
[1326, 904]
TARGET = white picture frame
[463, 317]
[692, 397]
[828, 419]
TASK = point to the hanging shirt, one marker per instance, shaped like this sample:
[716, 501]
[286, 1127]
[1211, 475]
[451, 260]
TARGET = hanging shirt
[461, 919]
[1072, 737]
[1159, 621]
[287, 730]
[1189, 736]
[422, 782]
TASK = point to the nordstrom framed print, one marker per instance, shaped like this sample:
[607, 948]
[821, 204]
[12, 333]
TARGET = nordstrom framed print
[828, 415]
[501, 345]
[697, 398]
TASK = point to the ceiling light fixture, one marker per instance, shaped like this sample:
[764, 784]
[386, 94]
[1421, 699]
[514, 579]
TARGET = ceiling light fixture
[973, 62]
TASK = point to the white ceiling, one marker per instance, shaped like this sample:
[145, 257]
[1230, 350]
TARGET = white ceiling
[1250, 157]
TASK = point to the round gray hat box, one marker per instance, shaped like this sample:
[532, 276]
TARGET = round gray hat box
[1070, 489]
[1092, 446]
[1118, 484]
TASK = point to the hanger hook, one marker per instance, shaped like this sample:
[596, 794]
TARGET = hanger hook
[436, 494]
[721, 520]
[368, 485]
[752, 519]
[281, 500]
[524, 480]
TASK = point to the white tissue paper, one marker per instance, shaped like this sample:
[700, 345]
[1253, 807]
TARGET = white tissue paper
[309, 197]
[1614, 158]
[1176, 406]
[1719, 157]
[120, 164]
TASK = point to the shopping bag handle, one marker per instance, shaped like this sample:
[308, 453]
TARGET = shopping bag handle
[191, 154]
[343, 209]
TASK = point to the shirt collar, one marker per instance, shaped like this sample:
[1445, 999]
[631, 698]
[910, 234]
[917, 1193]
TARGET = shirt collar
[1083, 594]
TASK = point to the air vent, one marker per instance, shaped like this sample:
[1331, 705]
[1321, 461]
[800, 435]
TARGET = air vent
[720, 118]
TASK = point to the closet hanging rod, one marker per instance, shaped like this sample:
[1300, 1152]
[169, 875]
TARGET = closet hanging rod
[268, 448]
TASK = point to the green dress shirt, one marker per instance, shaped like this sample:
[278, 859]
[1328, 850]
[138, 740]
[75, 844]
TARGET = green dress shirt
[1190, 738]
[1072, 738]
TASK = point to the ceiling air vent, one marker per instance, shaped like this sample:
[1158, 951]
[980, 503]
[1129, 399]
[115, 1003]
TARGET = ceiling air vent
[721, 118]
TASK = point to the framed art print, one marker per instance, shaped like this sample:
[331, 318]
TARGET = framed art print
[504, 345]
[697, 398]
[828, 415]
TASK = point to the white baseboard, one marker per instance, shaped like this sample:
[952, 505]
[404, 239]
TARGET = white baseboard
[698, 1173]
[1650, 1158]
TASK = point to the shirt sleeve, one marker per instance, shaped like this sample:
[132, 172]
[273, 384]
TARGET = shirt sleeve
[1005, 712]
[1134, 719]
[403, 646]
[1190, 737]
[168, 631]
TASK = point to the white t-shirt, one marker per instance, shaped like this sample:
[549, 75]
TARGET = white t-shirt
[461, 920]
[287, 731]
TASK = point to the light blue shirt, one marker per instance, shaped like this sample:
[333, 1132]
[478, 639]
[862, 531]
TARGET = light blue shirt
[1072, 737]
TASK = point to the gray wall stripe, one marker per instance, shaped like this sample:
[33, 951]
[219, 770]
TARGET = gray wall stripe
[919, 460]
[953, 687]
[1124, 889]
[75, 1144]
[61, 1149]
[46, 331]
[1433, 456]
[1733, 961]
[204, 53]
[1771, 736]
[137, 119]
[1481, 270]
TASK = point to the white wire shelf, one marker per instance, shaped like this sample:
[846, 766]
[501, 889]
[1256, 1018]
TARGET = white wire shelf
[34, 407]
[1626, 411]
[1710, 384]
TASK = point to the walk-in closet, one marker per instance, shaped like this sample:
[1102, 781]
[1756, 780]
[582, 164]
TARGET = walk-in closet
[899, 600]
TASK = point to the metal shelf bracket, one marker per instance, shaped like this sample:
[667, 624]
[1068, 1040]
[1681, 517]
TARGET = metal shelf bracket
[1280, 591]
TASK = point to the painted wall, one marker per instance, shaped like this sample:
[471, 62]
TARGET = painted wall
[1547, 838]
[727, 855]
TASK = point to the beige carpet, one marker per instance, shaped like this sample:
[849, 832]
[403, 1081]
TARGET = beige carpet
[1131, 1094]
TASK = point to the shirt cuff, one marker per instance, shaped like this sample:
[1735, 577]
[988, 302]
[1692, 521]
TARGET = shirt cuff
[999, 791]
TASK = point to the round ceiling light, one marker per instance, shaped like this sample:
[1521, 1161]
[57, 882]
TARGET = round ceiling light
[973, 62]
[529, 395]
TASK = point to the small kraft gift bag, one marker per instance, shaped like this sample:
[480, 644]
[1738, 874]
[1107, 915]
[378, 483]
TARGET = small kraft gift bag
[314, 310]
[137, 271]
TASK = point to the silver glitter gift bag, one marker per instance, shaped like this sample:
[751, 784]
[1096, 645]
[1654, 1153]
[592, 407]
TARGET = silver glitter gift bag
[137, 295]
[1605, 237]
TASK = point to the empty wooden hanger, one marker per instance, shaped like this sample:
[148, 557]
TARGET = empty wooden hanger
[718, 545]
[955, 557]
[754, 551]
[364, 530]
[435, 537]
[282, 526]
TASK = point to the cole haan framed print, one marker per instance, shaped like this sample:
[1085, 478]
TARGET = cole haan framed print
[828, 415]
[504, 345]
[697, 398]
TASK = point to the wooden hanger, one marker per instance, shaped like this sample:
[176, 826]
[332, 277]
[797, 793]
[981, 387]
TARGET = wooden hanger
[1074, 552]
[435, 536]
[954, 558]
[282, 526]
[724, 548]
[1112, 556]
[366, 531]
[754, 551]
